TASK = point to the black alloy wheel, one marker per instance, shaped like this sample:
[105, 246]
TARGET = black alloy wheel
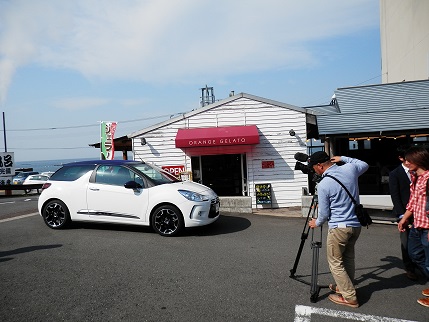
[167, 221]
[56, 214]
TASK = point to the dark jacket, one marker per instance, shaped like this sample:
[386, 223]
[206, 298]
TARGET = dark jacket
[399, 185]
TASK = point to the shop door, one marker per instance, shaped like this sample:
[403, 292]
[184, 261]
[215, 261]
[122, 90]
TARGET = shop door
[225, 174]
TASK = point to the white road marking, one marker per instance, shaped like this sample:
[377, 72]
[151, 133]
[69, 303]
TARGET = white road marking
[303, 314]
[18, 217]
[3, 203]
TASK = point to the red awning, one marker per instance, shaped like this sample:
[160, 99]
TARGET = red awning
[217, 136]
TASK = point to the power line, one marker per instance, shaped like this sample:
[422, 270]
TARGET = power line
[62, 148]
[89, 125]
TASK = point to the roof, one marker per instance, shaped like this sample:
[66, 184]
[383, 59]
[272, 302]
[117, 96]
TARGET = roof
[376, 108]
[103, 162]
[122, 143]
[213, 106]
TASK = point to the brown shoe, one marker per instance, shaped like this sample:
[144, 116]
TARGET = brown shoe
[412, 276]
[424, 301]
[425, 292]
[339, 299]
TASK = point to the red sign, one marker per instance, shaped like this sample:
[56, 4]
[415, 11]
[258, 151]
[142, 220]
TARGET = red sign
[217, 136]
[267, 164]
[174, 169]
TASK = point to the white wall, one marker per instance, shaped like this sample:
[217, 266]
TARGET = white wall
[276, 145]
[404, 27]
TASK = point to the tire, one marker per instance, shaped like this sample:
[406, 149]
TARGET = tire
[27, 191]
[56, 214]
[167, 221]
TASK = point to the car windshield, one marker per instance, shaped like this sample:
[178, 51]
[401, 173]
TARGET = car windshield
[23, 174]
[156, 174]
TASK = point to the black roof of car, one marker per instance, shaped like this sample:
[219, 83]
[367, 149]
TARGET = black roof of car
[103, 162]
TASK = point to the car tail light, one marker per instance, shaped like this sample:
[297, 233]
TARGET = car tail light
[46, 186]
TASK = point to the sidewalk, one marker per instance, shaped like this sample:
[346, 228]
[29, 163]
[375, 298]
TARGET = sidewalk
[378, 216]
[280, 212]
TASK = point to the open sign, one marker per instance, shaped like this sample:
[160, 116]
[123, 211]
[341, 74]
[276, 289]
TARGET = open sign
[174, 169]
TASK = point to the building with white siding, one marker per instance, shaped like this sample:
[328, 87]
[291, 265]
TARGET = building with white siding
[233, 145]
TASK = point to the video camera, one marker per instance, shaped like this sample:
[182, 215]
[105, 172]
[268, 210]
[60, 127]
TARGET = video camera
[305, 168]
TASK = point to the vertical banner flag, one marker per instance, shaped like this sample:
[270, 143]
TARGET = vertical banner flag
[107, 135]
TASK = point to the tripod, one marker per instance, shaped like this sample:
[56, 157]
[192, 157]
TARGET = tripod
[315, 246]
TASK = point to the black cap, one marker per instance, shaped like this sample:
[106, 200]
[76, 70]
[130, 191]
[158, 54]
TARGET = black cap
[318, 157]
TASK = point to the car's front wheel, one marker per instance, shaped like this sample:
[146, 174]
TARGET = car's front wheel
[167, 220]
[56, 214]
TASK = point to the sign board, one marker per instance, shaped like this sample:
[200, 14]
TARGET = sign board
[185, 176]
[263, 193]
[7, 168]
[174, 169]
[267, 164]
[7, 165]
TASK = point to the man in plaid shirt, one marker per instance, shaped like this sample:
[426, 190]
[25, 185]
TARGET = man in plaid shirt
[417, 160]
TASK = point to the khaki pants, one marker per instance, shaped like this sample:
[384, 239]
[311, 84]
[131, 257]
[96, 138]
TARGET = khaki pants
[341, 259]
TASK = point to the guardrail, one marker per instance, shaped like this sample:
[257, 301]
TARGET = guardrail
[25, 187]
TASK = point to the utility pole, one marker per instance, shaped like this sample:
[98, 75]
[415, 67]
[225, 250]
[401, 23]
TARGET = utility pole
[4, 133]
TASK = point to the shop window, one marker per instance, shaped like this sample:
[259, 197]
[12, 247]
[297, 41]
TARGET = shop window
[367, 144]
[353, 145]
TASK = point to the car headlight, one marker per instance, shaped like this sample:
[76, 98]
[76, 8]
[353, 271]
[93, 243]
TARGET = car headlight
[193, 196]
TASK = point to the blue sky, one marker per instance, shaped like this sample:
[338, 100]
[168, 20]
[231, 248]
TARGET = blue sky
[65, 65]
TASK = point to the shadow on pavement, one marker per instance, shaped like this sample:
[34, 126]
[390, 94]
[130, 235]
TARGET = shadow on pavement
[25, 250]
[379, 283]
[224, 225]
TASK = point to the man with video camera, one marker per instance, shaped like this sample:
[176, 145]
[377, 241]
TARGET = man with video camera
[336, 207]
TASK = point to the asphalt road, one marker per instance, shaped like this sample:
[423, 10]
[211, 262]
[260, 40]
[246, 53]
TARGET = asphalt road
[17, 205]
[234, 270]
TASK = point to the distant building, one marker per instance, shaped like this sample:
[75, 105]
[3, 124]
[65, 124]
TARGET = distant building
[404, 27]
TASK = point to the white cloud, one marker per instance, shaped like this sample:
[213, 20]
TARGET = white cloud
[171, 40]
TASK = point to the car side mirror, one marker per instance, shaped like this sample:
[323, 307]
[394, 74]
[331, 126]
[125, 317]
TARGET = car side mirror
[132, 185]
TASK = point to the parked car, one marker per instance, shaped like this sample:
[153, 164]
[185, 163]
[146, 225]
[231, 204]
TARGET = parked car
[125, 192]
[47, 173]
[35, 179]
[20, 177]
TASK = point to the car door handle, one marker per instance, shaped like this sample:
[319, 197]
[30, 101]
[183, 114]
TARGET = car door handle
[94, 189]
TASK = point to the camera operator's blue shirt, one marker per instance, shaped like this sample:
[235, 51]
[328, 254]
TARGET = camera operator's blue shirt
[335, 205]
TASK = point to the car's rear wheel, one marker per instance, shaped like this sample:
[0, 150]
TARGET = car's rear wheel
[56, 214]
[167, 220]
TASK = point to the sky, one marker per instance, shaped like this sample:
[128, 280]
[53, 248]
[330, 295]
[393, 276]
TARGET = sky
[66, 65]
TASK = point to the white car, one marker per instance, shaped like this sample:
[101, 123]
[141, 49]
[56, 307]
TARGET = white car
[47, 173]
[125, 192]
[35, 179]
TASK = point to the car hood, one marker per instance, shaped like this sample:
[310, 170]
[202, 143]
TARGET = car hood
[195, 187]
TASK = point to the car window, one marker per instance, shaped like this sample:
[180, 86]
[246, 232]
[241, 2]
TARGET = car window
[24, 174]
[71, 173]
[38, 177]
[158, 176]
[116, 175]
